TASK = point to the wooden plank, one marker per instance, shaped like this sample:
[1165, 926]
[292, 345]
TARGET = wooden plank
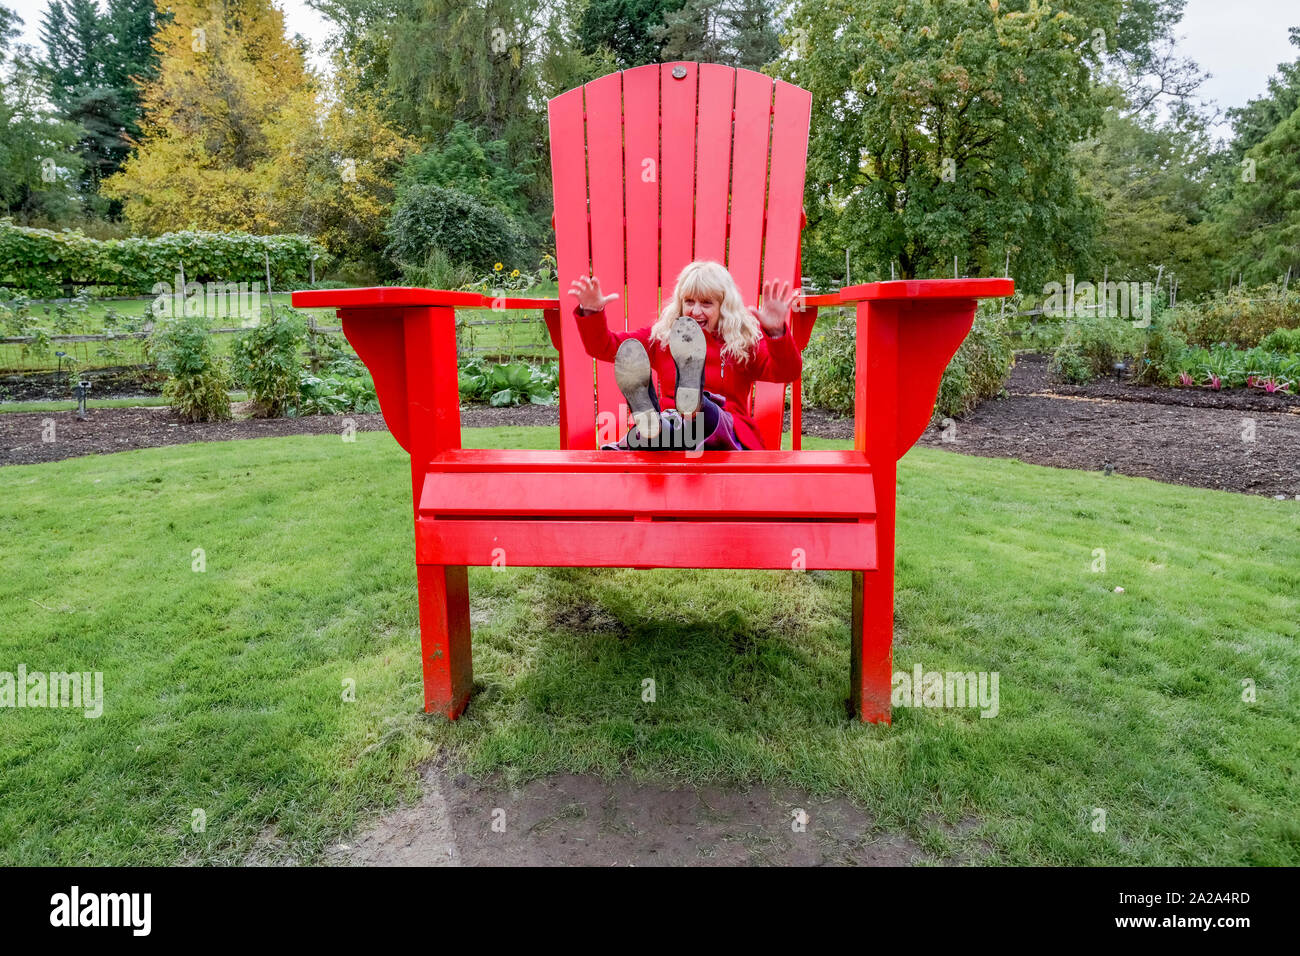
[713, 166]
[604, 123]
[749, 180]
[791, 108]
[569, 175]
[771, 545]
[641, 179]
[801, 495]
[677, 170]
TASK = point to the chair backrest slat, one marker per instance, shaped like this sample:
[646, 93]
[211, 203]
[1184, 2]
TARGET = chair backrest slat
[713, 181]
[635, 205]
[572, 255]
[791, 109]
[605, 153]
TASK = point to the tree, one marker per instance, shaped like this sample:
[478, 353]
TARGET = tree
[94, 62]
[696, 32]
[337, 181]
[1260, 223]
[219, 117]
[38, 168]
[626, 29]
[942, 129]
[1152, 180]
[1252, 123]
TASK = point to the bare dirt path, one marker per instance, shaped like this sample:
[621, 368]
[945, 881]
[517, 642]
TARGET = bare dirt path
[578, 820]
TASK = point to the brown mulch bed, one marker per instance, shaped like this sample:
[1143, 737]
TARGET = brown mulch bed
[1184, 436]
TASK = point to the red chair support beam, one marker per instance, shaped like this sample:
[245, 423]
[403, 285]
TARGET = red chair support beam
[634, 208]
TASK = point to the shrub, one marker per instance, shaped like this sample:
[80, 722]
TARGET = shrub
[40, 262]
[1090, 348]
[267, 363]
[1157, 362]
[469, 232]
[979, 369]
[197, 379]
[1241, 318]
[1285, 341]
[829, 364]
[437, 272]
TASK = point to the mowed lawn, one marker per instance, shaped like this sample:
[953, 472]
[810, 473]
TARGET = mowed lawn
[224, 689]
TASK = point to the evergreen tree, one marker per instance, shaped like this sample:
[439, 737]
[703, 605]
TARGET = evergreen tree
[626, 29]
[93, 62]
[38, 167]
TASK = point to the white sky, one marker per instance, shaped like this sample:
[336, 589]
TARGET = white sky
[1240, 43]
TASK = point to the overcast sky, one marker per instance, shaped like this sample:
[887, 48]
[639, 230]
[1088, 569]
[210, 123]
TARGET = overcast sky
[1239, 43]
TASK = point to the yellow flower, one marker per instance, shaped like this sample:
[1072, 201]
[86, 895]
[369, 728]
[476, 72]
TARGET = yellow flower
[498, 267]
[514, 274]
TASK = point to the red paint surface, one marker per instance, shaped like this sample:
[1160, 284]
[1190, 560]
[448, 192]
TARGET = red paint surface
[581, 507]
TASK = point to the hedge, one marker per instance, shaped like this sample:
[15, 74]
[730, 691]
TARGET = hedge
[40, 262]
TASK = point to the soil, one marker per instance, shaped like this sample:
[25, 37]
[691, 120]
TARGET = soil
[578, 820]
[1179, 435]
[1184, 436]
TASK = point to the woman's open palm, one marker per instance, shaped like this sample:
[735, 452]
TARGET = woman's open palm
[587, 290]
[777, 298]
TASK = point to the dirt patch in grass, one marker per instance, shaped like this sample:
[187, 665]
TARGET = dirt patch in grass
[580, 820]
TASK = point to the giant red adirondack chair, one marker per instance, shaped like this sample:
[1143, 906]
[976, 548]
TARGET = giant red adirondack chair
[654, 167]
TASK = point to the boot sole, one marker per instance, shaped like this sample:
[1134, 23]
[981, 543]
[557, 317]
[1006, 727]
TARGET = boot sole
[689, 350]
[632, 373]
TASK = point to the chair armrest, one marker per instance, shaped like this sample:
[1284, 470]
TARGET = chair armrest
[907, 333]
[912, 289]
[401, 296]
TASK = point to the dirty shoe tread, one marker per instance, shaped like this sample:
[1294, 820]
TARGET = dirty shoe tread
[632, 373]
[689, 350]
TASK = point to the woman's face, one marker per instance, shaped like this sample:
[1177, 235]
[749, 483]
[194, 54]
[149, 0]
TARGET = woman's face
[704, 309]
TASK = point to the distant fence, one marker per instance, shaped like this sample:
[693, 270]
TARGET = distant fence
[501, 338]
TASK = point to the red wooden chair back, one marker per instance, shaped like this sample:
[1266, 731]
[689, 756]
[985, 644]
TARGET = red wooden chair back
[654, 167]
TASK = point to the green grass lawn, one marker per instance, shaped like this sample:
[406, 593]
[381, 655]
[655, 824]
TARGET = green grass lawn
[224, 689]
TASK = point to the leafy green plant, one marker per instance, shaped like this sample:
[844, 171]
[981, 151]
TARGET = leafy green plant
[41, 262]
[516, 383]
[829, 364]
[1090, 348]
[334, 395]
[1239, 317]
[428, 217]
[267, 362]
[198, 379]
[1286, 341]
[979, 369]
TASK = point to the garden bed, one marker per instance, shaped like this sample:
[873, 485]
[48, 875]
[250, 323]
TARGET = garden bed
[1176, 435]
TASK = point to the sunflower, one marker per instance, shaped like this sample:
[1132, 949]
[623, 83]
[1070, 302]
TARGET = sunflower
[498, 267]
[514, 274]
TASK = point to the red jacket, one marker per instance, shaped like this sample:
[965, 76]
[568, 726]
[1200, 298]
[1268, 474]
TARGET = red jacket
[773, 360]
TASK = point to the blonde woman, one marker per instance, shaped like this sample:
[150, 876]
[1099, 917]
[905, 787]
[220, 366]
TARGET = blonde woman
[715, 348]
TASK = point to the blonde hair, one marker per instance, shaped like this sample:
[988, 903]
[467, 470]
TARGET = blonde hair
[704, 279]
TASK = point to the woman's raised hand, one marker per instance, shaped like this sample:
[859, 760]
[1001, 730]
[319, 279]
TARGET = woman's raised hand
[587, 290]
[777, 298]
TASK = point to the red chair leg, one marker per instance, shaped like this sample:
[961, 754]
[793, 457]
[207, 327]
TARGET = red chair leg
[872, 644]
[444, 638]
